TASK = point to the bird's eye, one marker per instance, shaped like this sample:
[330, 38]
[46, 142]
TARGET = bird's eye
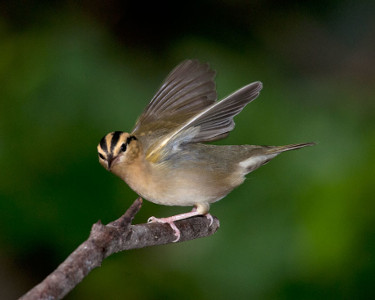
[123, 147]
[101, 156]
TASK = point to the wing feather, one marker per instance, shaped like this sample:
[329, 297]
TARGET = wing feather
[212, 123]
[188, 89]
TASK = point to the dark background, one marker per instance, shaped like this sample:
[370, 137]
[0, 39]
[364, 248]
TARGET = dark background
[301, 227]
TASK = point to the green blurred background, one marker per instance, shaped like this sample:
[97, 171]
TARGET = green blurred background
[301, 227]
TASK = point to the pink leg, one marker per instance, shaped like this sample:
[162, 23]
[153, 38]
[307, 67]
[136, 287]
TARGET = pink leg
[172, 219]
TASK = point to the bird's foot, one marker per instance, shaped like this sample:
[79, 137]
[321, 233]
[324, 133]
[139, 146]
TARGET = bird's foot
[171, 220]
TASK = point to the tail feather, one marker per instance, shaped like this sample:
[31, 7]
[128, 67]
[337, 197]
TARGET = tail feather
[279, 149]
[262, 155]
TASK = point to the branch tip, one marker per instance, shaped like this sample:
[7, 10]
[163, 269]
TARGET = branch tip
[114, 237]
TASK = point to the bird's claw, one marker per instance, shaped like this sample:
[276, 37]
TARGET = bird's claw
[209, 217]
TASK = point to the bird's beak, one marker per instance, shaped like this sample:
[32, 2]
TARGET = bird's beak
[110, 161]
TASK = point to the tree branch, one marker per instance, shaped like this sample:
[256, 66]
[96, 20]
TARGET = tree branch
[116, 236]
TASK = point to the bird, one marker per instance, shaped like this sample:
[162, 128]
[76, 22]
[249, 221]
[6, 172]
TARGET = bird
[167, 159]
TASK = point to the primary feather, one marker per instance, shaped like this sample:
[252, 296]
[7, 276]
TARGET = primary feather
[188, 89]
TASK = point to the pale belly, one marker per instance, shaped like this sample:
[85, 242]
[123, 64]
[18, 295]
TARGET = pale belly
[181, 188]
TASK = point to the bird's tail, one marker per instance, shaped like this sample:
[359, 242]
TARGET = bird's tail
[279, 149]
[261, 155]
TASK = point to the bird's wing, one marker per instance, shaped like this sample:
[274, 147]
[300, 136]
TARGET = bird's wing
[187, 90]
[212, 123]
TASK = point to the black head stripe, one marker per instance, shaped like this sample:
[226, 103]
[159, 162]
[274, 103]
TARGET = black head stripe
[115, 137]
[103, 144]
[130, 138]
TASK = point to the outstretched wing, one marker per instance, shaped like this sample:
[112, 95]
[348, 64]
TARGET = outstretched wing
[212, 123]
[187, 90]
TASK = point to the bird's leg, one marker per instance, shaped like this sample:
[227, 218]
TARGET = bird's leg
[172, 219]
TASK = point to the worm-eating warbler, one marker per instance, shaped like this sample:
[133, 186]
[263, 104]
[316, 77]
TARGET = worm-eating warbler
[164, 158]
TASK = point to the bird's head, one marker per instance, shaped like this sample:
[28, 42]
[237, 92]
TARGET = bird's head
[116, 149]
